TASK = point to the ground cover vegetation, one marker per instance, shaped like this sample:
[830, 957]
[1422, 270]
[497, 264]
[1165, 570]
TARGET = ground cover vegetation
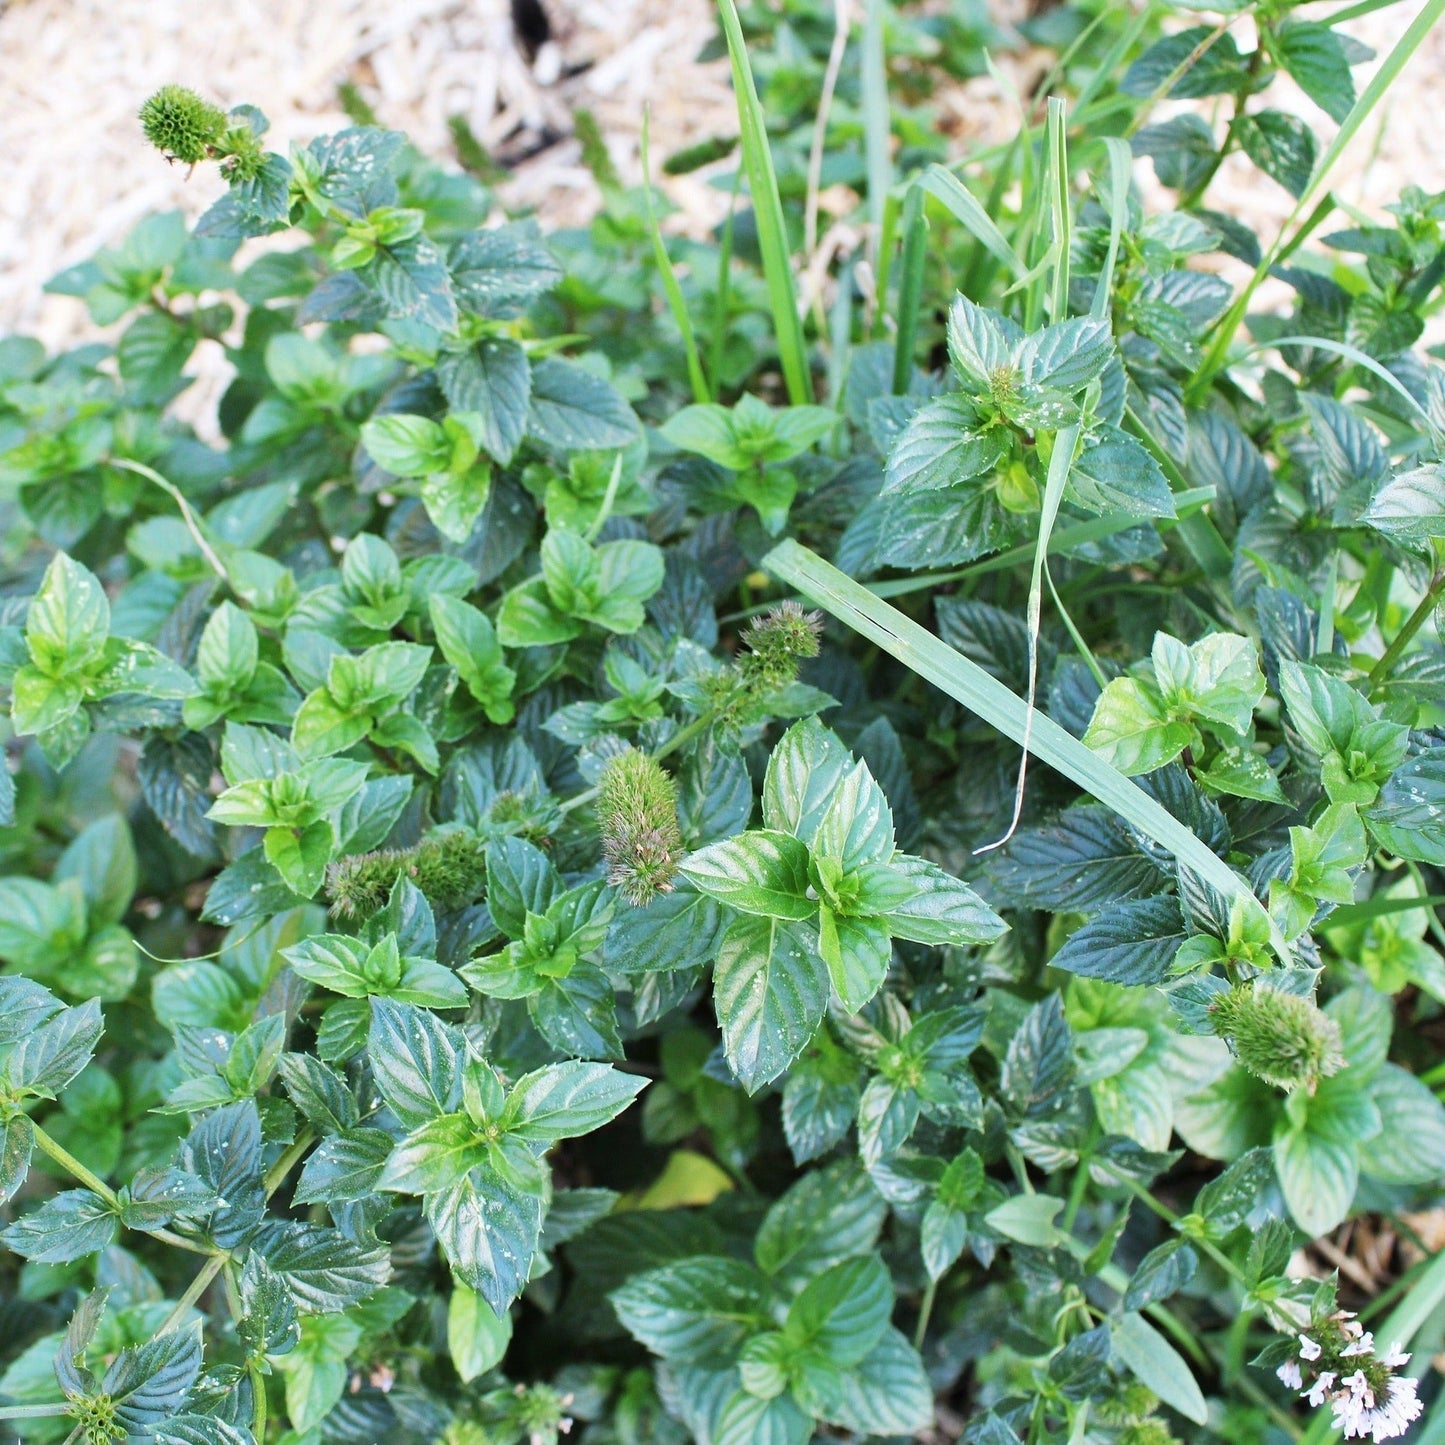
[522, 912]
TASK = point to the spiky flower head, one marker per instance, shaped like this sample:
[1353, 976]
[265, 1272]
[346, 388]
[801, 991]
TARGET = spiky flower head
[1282, 1038]
[177, 121]
[777, 641]
[637, 816]
[785, 631]
[448, 866]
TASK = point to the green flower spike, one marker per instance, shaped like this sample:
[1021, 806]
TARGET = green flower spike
[177, 121]
[1280, 1037]
[637, 815]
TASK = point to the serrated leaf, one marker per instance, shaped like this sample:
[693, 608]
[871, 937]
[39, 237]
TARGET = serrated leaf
[1132, 943]
[695, 1311]
[770, 990]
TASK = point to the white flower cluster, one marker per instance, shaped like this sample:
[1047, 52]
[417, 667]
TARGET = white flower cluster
[1369, 1401]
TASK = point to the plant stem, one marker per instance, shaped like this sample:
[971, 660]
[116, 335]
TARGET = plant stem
[1164, 1212]
[31, 1412]
[283, 1166]
[194, 1291]
[193, 526]
[258, 1402]
[1412, 624]
[925, 1313]
[75, 1168]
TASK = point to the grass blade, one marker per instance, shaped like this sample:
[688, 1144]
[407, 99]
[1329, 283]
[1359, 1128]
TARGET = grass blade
[820, 126]
[910, 288]
[768, 208]
[670, 287]
[1065, 442]
[722, 304]
[966, 682]
[877, 124]
[946, 187]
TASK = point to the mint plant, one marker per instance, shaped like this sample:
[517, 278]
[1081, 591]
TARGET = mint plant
[485, 960]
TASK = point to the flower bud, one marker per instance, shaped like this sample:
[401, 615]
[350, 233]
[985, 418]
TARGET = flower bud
[448, 866]
[177, 121]
[637, 815]
[1279, 1037]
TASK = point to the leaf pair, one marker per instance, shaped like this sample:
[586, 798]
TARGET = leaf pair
[474, 1148]
[821, 892]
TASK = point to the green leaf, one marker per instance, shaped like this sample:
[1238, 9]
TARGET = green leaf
[1156, 1364]
[1358, 749]
[456, 500]
[48, 1056]
[347, 1166]
[477, 1338]
[1132, 943]
[857, 826]
[69, 1226]
[493, 380]
[1027, 1218]
[527, 618]
[762, 872]
[316, 1370]
[827, 1216]
[489, 1223]
[1282, 146]
[1115, 475]
[744, 1419]
[1132, 731]
[677, 930]
[411, 279]
[886, 1393]
[1410, 508]
[770, 990]
[268, 1324]
[563, 1101]
[229, 651]
[1318, 1175]
[40, 926]
[407, 446]
[520, 881]
[148, 1382]
[706, 429]
[300, 855]
[858, 952]
[17, 1142]
[1164, 1271]
[944, 910]
[436, 1155]
[1411, 1142]
[69, 620]
[843, 1311]
[1408, 818]
[940, 448]
[804, 770]
[696, 1311]
[573, 409]
[416, 1060]
[468, 642]
[1315, 59]
[497, 269]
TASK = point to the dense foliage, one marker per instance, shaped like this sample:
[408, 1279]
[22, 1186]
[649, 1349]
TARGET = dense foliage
[484, 959]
